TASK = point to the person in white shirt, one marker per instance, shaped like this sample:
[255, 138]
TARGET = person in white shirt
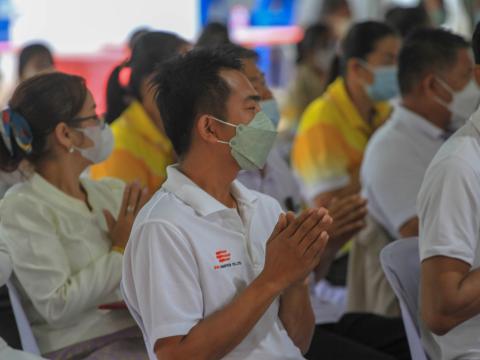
[277, 180]
[64, 234]
[448, 209]
[435, 78]
[214, 270]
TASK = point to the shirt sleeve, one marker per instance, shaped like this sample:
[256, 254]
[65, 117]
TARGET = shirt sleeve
[41, 265]
[448, 208]
[160, 281]
[319, 159]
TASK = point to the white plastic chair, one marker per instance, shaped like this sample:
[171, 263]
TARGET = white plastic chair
[401, 263]
[27, 339]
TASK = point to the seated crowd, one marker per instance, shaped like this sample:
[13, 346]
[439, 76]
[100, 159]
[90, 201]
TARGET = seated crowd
[185, 228]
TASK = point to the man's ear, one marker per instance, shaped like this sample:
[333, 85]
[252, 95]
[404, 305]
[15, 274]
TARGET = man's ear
[207, 129]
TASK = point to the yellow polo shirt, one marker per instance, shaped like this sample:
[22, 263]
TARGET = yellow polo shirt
[331, 139]
[141, 152]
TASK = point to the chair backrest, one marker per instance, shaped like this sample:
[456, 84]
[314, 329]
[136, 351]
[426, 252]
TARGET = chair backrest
[29, 344]
[5, 268]
[401, 264]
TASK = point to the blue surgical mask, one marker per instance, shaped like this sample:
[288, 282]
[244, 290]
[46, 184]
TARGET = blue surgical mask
[252, 142]
[385, 83]
[270, 108]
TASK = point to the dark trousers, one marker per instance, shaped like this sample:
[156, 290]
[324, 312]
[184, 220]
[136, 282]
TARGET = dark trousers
[360, 336]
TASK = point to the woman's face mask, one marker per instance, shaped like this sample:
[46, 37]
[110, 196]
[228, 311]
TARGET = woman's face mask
[323, 58]
[252, 142]
[385, 82]
[102, 138]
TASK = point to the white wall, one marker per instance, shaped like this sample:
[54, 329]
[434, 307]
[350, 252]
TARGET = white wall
[84, 26]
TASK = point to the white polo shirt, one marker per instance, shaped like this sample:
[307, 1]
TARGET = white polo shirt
[449, 212]
[394, 165]
[276, 180]
[189, 255]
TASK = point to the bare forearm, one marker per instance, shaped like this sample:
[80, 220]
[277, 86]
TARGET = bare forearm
[211, 339]
[450, 298]
[297, 315]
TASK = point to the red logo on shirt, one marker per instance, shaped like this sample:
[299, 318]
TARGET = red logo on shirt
[222, 256]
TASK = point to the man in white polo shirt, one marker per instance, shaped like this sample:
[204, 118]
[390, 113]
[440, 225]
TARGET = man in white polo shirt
[449, 213]
[435, 72]
[214, 270]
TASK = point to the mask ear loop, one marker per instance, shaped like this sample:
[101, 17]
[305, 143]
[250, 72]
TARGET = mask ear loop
[446, 87]
[225, 123]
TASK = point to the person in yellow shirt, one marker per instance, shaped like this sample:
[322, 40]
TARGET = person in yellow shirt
[335, 128]
[142, 151]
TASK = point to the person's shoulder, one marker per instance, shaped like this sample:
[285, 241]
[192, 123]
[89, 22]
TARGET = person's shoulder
[165, 207]
[18, 195]
[386, 141]
[462, 150]
[319, 111]
[22, 201]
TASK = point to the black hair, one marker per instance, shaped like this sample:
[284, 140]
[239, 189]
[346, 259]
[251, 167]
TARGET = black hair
[427, 50]
[360, 41]
[149, 52]
[314, 34]
[237, 51]
[116, 94]
[213, 34]
[187, 87]
[135, 35]
[407, 19]
[476, 44]
[43, 101]
[29, 52]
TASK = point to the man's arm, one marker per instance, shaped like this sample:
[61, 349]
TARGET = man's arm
[450, 293]
[293, 251]
[221, 332]
[297, 315]
[410, 228]
[348, 215]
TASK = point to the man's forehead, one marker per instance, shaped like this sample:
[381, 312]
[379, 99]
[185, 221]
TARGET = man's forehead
[237, 81]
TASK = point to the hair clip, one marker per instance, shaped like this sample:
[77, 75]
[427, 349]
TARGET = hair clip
[14, 123]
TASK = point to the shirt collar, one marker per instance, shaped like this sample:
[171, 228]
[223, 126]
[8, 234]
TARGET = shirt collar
[418, 123]
[338, 93]
[54, 194]
[197, 198]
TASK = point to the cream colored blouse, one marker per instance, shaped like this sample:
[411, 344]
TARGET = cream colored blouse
[62, 260]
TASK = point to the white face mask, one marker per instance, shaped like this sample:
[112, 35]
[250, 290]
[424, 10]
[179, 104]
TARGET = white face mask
[464, 102]
[323, 58]
[102, 138]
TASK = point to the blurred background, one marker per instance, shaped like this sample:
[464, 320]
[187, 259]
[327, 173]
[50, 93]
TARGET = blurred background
[90, 37]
